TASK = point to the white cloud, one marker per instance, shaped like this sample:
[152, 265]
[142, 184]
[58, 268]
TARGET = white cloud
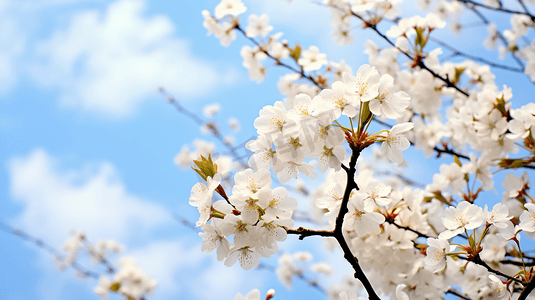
[110, 62]
[56, 201]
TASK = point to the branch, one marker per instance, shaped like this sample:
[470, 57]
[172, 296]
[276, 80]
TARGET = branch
[56, 253]
[213, 129]
[501, 9]
[421, 64]
[475, 58]
[527, 290]
[299, 275]
[187, 223]
[477, 260]
[454, 292]
[337, 233]
[303, 232]
[278, 61]
[500, 35]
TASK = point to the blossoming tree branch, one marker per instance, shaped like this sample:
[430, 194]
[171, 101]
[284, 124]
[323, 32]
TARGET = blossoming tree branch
[403, 239]
[433, 240]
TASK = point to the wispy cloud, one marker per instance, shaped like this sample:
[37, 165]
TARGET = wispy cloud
[110, 62]
[93, 199]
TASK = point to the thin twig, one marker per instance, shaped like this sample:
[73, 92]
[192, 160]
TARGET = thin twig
[53, 251]
[501, 9]
[456, 293]
[456, 52]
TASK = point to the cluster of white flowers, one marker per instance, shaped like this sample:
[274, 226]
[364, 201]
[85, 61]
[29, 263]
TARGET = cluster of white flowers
[306, 127]
[294, 265]
[256, 221]
[129, 280]
[401, 235]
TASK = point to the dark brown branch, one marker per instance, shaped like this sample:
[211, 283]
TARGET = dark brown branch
[517, 263]
[303, 232]
[421, 64]
[527, 290]
[479, 261]
[337, 233]
[409, 229]
[454, 292]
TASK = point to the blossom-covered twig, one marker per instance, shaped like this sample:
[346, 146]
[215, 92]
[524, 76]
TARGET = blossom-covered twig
[498, 33]
[278, 61]
[213, 129]
[53, 251]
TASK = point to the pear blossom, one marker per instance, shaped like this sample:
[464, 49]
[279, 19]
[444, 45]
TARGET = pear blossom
[271, 120]
[271, 231]
[244, 233]
[247, 256]
[276, 203]
[229, 7]
[279, 51]
[312, 59]
[213, 238]
[510, 231]
[396, 142]
[263, 156]
[514, 184]
[493, 248]
[365, 85]
[498, 216]
[499, 287]
[527, 219]
[387, 103]
[339, 100]
[250, 182]
[201, 193]
[331, 157]
[400, 294]
[465, 216]
[258, 26]
[374, 193]
[360, 220]
[436, 253]
[290, 169]
[333, 197]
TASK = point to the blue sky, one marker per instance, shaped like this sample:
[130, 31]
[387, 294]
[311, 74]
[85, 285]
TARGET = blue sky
[88, 143]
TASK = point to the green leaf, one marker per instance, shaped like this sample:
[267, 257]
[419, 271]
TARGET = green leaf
[115, 286]
[206, 167]
[457, 160]
[365, 114]
[296, 52]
